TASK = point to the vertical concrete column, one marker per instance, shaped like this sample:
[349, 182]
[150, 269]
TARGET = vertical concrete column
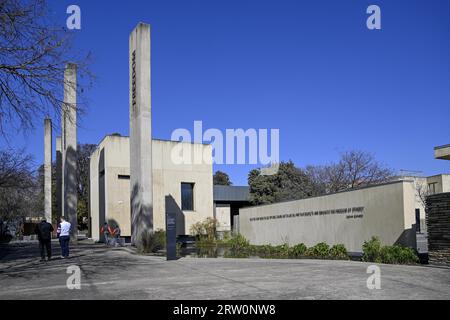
[48, 169]
[59, 185]
[63, 155]
[140, 136]
[70, 148]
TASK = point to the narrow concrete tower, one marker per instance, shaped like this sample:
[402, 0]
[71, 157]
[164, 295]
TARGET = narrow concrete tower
[69, 140]
[59, 184]
[140, 136]
[48, 170]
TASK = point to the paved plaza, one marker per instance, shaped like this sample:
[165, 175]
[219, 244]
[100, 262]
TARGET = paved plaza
[108, 273]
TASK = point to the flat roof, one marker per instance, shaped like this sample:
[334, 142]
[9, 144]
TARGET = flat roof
[231, 193]
[442, 147]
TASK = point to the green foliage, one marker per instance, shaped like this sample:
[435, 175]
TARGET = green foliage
[222, 179]
[290, 183]
[339, 252]
[398, 255]
[374, 251]
[238, 242]
[205, 231]
[153, 242]
[240, 247]
[320, 250]
[298, 250]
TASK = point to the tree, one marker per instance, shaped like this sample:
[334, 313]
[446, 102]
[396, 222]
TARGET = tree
[19, 190]
[222, 179]
[290, 183]
[355, 169]
[33, 54]
[84, 152]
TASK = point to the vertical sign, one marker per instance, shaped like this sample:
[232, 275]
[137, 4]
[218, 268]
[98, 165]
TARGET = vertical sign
[171, 229]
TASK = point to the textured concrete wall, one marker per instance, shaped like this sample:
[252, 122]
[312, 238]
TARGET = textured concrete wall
[223, 217]
[388, 212]
[48, 169]
[167, 179]
[140, 134]
[70, 193]
[438, 221]
[94, 214]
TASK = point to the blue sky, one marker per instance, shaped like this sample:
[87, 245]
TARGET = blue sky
[309, 68]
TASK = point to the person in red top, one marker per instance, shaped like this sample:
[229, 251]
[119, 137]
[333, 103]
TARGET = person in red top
[107, 232]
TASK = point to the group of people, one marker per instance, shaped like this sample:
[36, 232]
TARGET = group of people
[44, 232]
[112, 236]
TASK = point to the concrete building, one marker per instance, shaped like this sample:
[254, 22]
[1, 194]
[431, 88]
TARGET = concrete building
[349, 218]
[425, 186]
[228, 200]
[190, 186]
[442, 152]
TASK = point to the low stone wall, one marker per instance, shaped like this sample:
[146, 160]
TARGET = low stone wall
[438, 224]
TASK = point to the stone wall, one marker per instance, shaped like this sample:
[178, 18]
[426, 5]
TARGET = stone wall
[438, 224]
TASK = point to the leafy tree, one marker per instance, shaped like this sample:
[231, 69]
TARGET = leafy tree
[355, 169]
[290, 183]
[222, 179]
[84, 152]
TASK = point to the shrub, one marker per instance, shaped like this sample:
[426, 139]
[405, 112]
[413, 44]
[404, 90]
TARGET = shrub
[320, 250]
[298, 250]
[372, 250]
[281, 251]
[339, 251]
[154, 241]
[398, 255]
[205, 231]
[238, 242]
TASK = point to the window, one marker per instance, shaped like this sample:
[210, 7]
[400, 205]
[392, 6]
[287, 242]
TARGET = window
[123, 177]
[418, 220]
[187, 196]
[432, 187]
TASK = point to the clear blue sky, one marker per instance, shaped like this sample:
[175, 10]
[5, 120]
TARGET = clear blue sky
[309, 68]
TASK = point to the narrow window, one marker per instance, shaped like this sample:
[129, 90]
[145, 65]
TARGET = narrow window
[187, 196]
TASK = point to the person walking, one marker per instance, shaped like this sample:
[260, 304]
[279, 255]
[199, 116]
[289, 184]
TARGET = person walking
[64, 238]
[106, 231]
[44, 232]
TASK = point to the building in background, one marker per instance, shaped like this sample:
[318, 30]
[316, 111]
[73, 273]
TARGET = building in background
[442, 153]
[228, 200]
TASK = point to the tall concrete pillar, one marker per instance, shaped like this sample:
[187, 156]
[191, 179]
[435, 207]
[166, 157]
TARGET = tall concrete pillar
[48, 170]
[140, 136]
[59, 185]
[70, 148]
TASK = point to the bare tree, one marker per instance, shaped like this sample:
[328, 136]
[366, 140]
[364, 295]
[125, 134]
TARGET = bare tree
[19, 190]
[33, 55]
[354, 169]
[15, 169]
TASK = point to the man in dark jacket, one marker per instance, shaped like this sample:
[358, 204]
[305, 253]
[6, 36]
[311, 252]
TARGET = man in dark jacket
[44, 232]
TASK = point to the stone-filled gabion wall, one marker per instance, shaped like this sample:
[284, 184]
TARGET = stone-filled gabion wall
[438, 224]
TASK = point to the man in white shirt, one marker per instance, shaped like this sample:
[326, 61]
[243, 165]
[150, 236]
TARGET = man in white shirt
[64, 238]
